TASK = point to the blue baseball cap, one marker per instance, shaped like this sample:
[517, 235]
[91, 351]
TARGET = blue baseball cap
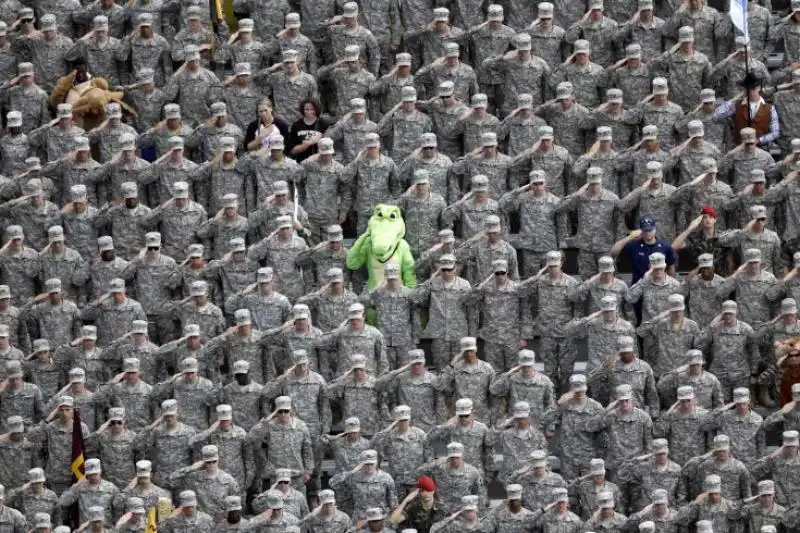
[647, 223]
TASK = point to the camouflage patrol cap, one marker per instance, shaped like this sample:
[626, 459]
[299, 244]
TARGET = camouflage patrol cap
[139, 326]
[469, 502]
[5, 292]
[795, 6]
[489, 138]
[92, 466]
[191, 53]
[194, 12]
[368, 457]
[608, 303]
[658, 260]
[428, 140]
[391, 271]
[375, 514]
[545, 10]
[539, 459]
[708, 95]
[757, 176]
[479, 100]
[522, 41]
[455, 449]
[500, 265]
[447, 261]
[64, 111]
[355, 310]
[14, 119]
[127, 142]
[741, 395]
[521, 410]
[729, 306]
[169, 407]
[705, 261]
[113, 110]
[582, 46]
[145, 75]
[180, 189]
[47, 22]
[758, 211]
[131, 364]
[301, 311]
[408, 94]
[198, 288]
[117, 414]
[446, 88]
[648, 526]
[446, 236]
[577, 382]
[560, 494]
[144, 19]
[479, 183]
[650, 133]
[660, 86]
[495, 12]
[290, 21]
[89, 332]
[187, 498]
[594, 175]
[441, 14]
[219, 109]
[595, 4]
[230, 200]
[604, 133]
[766, 486]
[352, 425]
[233, 503]
[415, 356]
[659, 446]
[35, 475]
[526, 358]
[721, 443]
[351, 53]
[358, 105]
[402, 412]
[246, 25]
[135, 505]
[633, 51]
[788, 307]
[242, 317]
[537, 176]
[468, 344]
[42, 521]
[748, 135]
[402, 59]
[685, 34]
[676, 302]
[463, 407]
[334, 275]
[686, 392]
[564, 90]
[605, 500]
[491, 224]
[623, 392]
[645, 5]
[210, 453]
[452, 49]
[752, 255]
[614, 96]
[712, 483]
[545, 132]
[241, 367]
[325, 146]
[791, 438]
[358, 361]
[172, 111]
[525, 101]
[190, 365]
[175, 143]
[100, 22]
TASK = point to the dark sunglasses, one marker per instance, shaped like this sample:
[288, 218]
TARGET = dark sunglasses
[500, 273]
[447, 269]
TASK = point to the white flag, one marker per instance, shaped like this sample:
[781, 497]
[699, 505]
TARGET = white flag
[738, 14]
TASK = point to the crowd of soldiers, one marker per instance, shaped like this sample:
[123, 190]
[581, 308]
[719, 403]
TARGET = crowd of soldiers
[176, 273]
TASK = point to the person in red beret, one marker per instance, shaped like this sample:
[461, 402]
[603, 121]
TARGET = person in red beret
[420, 509]
[702, 237]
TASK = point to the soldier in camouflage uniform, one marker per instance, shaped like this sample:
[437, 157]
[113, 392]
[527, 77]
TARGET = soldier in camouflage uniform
[113, 312]
[631, 75]
[643, 28]
[178, 219]
[166, 443]
[209, 138]
[668, 336]
[405, 447]
[102, 53]
[412, 385]
[454, 478]
[209, 480]
[159, 135]
[282, 440]
[321, 179]
[225, 227]
[113, 443]
[289, 85]
[764, 515]
[331, 301]
[346, 449]
[654, 289]
[47, 51]
[496, 166]
[52, 316]
[687, 69]
[24, 96]
[540, 228]
[194, 87]
[62, 262]
[651, 196]
[20, 266]
[747, 439]
[387, 89]
[290, 38]
[536, 479]
[502, 308]
[601, 155]
[685, 425]
[124, 222]
[444, 110]
[587, 77]
[17, 339]
[14, 146]
[145, 98]
[579, 419]
[244, 48]
[652, 479]
[751, 284]
[55, 437]
[478, 440]
[518, 131]
[351, 130]
[91, 494]
[280, 251]
[33, 498]
[469, 378]
[448, 67]
[403, 125]
[169, 169]
[55, 140]
[147, 48]
[490, 38]
[188, 517]
[244, 395]
[373, 179]
[469, 128]
[369, 488]
[706, 386]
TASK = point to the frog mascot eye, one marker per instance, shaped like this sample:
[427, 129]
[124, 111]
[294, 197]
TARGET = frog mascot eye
[381, 243]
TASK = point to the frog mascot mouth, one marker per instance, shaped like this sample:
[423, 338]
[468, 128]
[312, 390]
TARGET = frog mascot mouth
[382, 243]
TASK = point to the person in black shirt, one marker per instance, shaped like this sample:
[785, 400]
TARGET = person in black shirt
[264, 127]
[306, 132]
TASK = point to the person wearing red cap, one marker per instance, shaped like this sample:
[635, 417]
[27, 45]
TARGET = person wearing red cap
[702, 237]
[420, 509]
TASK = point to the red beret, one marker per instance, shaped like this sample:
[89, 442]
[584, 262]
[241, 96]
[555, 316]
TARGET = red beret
[427, 484]
[708, 210]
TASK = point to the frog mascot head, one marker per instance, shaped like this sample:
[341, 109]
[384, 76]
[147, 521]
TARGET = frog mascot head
[381, 244]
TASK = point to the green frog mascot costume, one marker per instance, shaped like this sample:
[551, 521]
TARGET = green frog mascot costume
[382, 243]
